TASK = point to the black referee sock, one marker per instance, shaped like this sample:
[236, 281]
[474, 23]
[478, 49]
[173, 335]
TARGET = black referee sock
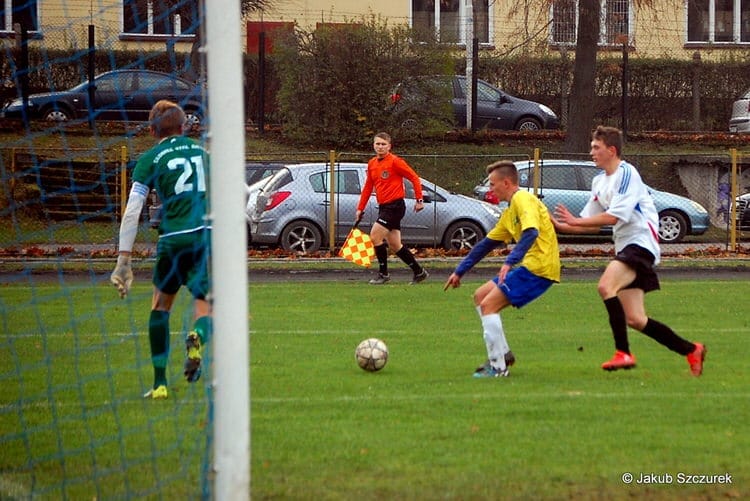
[618, 323]
[408, 258]
[664, 335]
[381, 252]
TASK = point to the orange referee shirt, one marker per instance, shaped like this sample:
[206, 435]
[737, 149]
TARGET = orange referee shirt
[387, 175]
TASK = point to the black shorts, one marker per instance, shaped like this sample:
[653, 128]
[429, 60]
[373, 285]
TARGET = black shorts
[391, 214]
[642, 262]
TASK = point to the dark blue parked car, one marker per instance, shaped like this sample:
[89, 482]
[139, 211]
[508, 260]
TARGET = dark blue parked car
[420, 98]
[118, 95]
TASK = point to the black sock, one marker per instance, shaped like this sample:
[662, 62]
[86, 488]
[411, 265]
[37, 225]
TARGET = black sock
[381, 252]
[408, 258]
[664, 335]
[618, 323]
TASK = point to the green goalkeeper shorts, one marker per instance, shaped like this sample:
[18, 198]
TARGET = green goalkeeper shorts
[182, 259]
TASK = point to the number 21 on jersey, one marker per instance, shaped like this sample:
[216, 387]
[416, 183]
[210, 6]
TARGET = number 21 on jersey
[188, 166]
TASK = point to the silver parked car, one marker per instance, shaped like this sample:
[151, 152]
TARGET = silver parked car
[740, 120]
[568, 182]
[292, 211]
[257, 175]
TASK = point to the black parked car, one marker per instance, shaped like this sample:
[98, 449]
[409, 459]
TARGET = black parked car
[118, 95]
[419, 98]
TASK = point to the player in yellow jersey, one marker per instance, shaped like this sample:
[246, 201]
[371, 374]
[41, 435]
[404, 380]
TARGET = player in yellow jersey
[526, 222]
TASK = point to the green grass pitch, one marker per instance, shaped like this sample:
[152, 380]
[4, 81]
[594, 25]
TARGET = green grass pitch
[74, 360]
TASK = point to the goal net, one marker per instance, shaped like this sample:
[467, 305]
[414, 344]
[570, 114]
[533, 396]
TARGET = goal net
[78, 82]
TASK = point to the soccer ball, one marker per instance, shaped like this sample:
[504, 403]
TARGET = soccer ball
[371, 354]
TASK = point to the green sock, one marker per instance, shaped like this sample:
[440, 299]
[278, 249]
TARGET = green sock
[158, 335]
[203, 327]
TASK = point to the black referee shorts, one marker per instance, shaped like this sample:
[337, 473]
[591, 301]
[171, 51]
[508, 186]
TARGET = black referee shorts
[391, 214]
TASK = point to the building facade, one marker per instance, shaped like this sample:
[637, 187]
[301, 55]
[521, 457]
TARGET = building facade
[668, 28]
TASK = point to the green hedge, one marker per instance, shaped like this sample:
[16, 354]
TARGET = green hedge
[660, 93]
[660, 90]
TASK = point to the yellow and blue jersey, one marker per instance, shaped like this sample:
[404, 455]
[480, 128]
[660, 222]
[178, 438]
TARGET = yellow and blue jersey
[527, 211]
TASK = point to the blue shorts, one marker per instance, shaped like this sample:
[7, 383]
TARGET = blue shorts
[522, 287]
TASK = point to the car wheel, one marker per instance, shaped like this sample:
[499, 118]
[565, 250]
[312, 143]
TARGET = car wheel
[462, 235]
[302, 237]
[528, 124]
[56, 114]
[672, 226]
[193, 118]
[410, 124]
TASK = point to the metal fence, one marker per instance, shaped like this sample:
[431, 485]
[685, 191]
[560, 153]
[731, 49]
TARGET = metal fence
[69, 198]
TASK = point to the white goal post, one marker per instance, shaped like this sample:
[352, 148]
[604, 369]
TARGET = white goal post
[226, 138]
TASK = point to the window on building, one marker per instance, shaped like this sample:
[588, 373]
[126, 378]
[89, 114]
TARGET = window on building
[564, 22]
[155, 17]
[616, 15]
[615, 22]
[22, 12]
[447, 19]
[718, 21]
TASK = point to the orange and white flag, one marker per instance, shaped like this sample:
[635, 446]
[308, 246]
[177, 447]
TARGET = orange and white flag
[358, 248]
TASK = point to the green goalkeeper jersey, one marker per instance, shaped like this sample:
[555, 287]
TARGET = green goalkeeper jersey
[177, 168]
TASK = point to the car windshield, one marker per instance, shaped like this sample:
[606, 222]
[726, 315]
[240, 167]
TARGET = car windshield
[422, 88]
[485, 92]
[81, 87]
[278, 180]
[255, 172]
[258, 185]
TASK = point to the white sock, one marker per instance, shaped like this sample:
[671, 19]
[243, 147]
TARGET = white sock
[494, 339]
[504, 341]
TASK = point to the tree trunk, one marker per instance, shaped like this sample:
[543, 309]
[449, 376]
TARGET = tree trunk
[582, 96]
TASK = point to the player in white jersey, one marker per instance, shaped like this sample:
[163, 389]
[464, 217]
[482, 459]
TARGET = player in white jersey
[621, 199]
[623, 195]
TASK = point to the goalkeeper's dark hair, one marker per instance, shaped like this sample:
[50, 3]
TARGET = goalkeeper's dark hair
[166, 118]
[505, 169]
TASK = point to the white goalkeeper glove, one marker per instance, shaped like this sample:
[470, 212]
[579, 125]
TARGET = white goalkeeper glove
[122, 277]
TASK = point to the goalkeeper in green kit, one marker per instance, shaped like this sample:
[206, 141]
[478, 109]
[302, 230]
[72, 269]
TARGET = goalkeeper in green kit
[177, 168]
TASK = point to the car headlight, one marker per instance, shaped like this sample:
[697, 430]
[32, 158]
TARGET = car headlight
[698, 207]
[547, 110]
[16, 103]
[492, 210]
